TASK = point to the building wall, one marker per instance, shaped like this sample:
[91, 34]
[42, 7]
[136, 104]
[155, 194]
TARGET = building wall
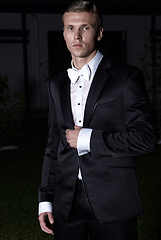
[11, 57]
[11, 63]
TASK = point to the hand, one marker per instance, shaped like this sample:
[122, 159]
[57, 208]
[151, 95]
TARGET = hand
[72, 136]
[45, 219]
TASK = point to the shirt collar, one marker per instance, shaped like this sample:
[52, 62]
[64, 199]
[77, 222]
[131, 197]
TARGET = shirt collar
[93, 63]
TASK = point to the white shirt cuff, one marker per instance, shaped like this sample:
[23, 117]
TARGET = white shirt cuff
[45, 207]
[83, 142]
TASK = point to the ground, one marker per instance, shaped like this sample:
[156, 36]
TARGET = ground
[20, 177]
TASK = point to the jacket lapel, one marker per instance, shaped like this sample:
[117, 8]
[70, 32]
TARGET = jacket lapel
[66, 102]
[101, 77]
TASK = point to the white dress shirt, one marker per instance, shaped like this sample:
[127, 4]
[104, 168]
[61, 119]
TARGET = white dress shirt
[79, 88]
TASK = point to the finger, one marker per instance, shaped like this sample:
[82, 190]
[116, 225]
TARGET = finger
[51, 219]
[46, 229]
[68, 130]
[67, 133]
[43, 224]
[77, 127]
[67, 137]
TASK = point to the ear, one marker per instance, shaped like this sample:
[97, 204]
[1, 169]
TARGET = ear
[100, 34]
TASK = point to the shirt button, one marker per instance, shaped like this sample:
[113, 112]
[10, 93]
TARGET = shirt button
[80, 86]
[78, 103]
[80, 121]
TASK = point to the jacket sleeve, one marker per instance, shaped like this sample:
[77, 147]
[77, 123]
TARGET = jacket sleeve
[137, 136]
[46, 189]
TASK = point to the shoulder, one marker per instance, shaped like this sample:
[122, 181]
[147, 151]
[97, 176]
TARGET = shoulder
[131, 79]
[128, 77]
[128, 74]
[57, 78]
[120, 70]
[126, 70]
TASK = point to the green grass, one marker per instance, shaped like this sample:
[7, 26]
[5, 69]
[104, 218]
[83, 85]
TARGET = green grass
[20, 176]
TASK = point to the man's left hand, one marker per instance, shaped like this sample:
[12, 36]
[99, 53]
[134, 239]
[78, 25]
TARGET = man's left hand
[72, 136]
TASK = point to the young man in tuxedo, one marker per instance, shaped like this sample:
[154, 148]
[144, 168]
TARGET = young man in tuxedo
[99, 122]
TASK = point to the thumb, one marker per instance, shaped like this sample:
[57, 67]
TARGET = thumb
[77, 127]
[50, 217]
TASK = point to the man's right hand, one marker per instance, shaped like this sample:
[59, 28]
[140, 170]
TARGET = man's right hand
[45, 219]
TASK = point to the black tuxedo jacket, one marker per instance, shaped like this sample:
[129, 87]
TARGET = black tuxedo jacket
[117, 109]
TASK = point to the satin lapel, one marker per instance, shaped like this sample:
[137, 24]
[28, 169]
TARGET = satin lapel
[101, 77]
[66, 102]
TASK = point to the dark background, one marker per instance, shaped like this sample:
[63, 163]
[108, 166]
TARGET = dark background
[107, 7]
[23, 127]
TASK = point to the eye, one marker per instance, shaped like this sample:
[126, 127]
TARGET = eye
[69, 28]
[85, 28]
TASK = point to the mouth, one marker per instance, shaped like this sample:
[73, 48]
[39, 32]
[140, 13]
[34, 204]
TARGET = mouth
[77, 45]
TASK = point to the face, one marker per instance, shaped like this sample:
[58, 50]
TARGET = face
[81, 34]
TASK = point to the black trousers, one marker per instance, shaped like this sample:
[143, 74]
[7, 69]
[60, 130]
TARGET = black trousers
[83, 225]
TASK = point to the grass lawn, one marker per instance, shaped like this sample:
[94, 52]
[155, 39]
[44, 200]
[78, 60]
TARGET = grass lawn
[20, 176]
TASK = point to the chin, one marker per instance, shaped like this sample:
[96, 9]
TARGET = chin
[80, 54]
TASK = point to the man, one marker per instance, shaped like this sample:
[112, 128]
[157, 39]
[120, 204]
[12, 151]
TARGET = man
[98, 124]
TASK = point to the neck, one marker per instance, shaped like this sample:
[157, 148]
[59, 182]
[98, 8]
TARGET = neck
[79, 62]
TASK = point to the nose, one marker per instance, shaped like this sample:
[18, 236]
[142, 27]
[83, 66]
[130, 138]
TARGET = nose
[77, 34]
